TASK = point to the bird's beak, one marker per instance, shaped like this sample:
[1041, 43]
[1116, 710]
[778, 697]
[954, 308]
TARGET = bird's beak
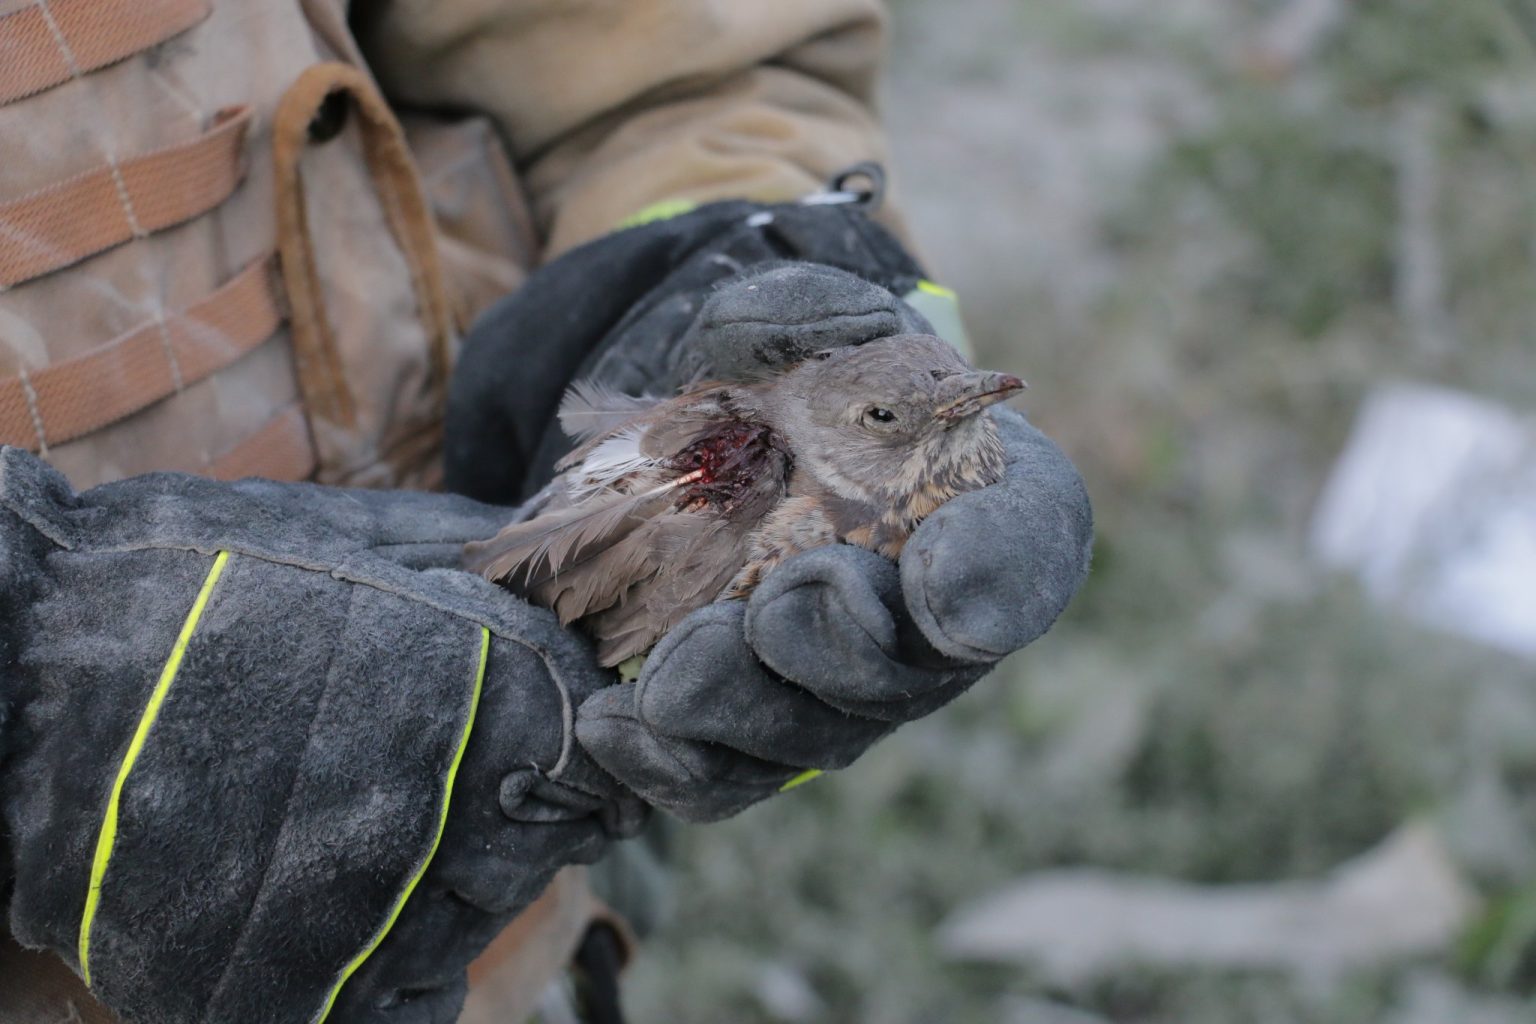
[966, 394]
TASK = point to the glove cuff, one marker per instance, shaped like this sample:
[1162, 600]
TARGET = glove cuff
[214, 815]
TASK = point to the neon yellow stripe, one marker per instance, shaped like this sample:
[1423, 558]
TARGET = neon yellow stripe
[442, 821]
[664, 209]
[934, 288]
[108, 834]
[801, 779]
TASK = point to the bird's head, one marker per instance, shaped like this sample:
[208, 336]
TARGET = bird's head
[889, 420]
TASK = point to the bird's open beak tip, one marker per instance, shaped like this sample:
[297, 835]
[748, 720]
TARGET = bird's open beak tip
[990, 389]
[1000, 387]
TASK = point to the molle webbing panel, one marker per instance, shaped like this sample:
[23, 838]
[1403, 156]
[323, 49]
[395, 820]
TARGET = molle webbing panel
[145, 365]
[107, 205]
[279, 450]
[46, 44]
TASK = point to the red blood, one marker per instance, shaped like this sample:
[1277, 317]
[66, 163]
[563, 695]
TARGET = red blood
[728, 460]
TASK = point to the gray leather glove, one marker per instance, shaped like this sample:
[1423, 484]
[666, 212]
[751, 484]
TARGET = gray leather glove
[838, 645]
[230, 719]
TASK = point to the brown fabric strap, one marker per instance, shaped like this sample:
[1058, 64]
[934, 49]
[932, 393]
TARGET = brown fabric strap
[514, 971]
[137, 369]
[52, 41]
[321, 374]
[280, 450]
[106, 206]
[39, 989]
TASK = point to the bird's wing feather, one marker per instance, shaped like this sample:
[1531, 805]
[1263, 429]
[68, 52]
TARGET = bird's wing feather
[689, 558]
[635, 550]
[525, 554]
[679, 563]
[590, 409]
[613, 462]
[665, 427]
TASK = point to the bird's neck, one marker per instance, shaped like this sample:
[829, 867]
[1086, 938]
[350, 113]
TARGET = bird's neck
[881, 523]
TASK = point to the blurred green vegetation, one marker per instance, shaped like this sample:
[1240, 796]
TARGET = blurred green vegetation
[1202, 258]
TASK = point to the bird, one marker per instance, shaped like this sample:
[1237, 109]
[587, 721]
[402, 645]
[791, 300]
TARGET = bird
[667, 505]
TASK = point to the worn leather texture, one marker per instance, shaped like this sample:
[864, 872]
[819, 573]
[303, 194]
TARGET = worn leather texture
[292, 782]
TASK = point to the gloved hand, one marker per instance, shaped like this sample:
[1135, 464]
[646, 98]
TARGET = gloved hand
[838, 645]
[619, 309]
[231, 716]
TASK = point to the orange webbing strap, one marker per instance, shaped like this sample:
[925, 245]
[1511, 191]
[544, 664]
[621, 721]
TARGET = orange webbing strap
[51, 41]
[106, 206]
[280, 450]
[321, 374]
[133, 371]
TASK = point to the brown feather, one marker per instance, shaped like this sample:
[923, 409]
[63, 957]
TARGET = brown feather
[634, 592]
[540, 547]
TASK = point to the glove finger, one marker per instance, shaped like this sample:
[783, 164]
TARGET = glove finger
[989, 571]
[833, 621]
[703, 684]
[779, 313]
[695, 781]
[909, 709]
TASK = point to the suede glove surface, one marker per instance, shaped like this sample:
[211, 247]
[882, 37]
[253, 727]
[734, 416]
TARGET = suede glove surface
[266, 689]
[838, 645]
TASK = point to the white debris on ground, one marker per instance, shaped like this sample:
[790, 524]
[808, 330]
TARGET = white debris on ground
[1431, 997]
[1403, 898]
[786, 995]
[1433, 506]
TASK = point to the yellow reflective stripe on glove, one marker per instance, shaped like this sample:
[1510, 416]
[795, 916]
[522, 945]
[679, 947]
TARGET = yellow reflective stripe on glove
[801, 779]
[108, 834]
[437, 838]
[662, 209]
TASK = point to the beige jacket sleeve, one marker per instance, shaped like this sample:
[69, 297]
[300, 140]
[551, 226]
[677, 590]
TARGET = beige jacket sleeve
[608, 106]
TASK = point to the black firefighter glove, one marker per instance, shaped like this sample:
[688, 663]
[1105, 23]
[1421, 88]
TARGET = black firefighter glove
[837, 646]
[231, 719]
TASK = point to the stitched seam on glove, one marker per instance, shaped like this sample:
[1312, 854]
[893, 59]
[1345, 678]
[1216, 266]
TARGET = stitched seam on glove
[498, 629]
[830, 321]
[38, 524]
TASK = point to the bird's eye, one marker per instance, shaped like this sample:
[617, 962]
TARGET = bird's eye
[880, 415]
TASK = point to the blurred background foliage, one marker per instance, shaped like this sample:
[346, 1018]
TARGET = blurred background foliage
[1202, 229]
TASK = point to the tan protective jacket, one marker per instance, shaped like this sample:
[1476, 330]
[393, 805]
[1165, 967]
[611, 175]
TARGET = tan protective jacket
[242, 237]
[206, 264]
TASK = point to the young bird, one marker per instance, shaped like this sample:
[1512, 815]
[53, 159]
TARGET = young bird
[670, 505]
